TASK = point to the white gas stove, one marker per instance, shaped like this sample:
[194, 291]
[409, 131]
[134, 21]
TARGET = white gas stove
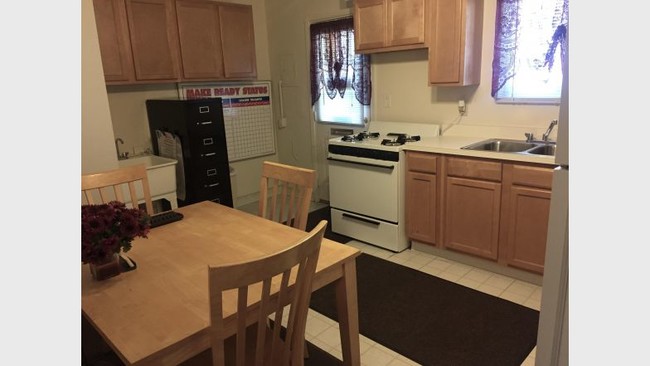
[367, 182]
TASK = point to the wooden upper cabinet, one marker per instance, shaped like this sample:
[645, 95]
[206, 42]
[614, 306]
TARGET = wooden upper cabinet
[217, 40]
[238, 40]
[200, 39]
[114, 42]
[456, 28]
[406, 22]
[137, 40]
[369, 24]
[389, 25]
[154, 39]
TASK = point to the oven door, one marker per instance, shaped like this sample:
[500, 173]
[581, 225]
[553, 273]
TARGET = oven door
[368, 187]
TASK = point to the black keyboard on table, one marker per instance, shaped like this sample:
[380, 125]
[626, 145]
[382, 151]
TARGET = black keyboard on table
[164, 218]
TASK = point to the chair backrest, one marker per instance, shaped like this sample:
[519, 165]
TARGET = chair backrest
[285, 193]
[110, 185]
[272, 286]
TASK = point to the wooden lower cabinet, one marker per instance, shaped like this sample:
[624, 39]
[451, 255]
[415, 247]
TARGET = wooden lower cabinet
[527, 202]
[492, 209]
[422, 203]
[422, 197]
[471, 216]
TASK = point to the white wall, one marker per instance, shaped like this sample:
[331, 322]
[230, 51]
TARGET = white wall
[97, 146]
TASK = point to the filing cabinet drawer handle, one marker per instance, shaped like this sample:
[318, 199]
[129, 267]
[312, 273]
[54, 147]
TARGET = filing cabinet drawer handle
[209, 154]
[204, 123]
[208, 141]
[211, 172]
[204, 109]
[211, 185]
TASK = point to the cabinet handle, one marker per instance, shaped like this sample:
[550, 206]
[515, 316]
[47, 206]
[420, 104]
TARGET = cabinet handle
[391, 167]
[204, 109]
[361, 219]
[209, 154]
[204, 123]
[211, 185]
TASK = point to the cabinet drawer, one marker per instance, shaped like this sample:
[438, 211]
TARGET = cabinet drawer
[421, 162]
[474, 168]
[532, 176]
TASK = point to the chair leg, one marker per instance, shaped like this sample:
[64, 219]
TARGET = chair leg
[306, 352]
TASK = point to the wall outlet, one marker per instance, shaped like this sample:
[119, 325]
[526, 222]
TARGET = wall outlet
[461, 107]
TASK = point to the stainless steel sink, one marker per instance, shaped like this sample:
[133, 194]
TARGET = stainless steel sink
[547, 149]
[513, 146]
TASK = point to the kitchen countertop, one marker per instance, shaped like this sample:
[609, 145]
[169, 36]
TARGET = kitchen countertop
[452, 145]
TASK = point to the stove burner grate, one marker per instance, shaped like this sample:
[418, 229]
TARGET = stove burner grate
[360, 136]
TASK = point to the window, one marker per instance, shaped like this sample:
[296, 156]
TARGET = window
[340, 79]
[527, 67]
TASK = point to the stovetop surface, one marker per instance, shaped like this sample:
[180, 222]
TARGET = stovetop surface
[387, 136]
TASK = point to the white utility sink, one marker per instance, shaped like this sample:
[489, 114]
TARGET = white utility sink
[162, 176]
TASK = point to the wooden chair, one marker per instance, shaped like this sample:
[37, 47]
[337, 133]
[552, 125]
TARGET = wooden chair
[255, 342]
[110, 185]
[285, 193]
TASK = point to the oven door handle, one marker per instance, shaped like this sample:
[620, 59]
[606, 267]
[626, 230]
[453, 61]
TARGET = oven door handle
[391, 167]
[361, 219]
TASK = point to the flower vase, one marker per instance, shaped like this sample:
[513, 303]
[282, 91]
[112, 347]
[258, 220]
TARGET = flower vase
[107, 268]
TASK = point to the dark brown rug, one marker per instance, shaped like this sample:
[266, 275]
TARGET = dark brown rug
[433, 321]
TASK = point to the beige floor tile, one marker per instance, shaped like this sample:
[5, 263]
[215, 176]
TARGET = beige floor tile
[512, 297]
[522, 288]
[376, 356]
[431, 270]
[440, 264]
[490, 290]
[537, 294]
[315, 314]
[499, 281]
[449, 276]
[401, 362]
[331, 337]
[316, 326]
[469, 283]
[459, 269]
[478, 275]
[533, 304]
[405, 361]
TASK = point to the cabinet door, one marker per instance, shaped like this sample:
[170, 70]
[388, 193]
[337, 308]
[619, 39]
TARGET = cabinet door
[527, 228]
[421, 205]
[114, 43]
[369, 24]
[238, 40]
[471, 222]
[455, 42]
[406, 22]
[154, 39]
[200, 39]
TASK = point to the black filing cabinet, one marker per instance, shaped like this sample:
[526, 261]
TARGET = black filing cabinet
[199, 125]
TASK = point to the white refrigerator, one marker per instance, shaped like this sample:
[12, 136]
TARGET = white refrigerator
[553, 329]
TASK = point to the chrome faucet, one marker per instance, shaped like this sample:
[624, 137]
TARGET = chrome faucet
[120, 156]
[548, 130]
[529, 136]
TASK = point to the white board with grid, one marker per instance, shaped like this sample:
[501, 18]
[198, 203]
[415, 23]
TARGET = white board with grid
[247, 113]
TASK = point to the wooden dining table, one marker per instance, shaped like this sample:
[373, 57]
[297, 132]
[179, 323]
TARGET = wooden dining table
[158, 313]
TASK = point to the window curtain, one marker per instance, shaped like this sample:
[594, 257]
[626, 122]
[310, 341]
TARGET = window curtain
[506, 39]
[332, 54]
